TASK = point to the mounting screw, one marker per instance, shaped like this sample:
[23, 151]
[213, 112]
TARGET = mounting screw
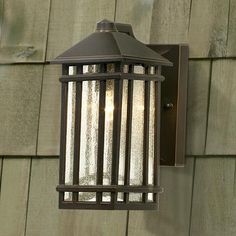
[169, 105]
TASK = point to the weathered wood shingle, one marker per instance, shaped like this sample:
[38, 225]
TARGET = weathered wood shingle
[170, 20]
[71, 21]
[138, 14]
[20, 88]
[14, 196]
[49, 122]
[24, 30]
[208, 28]
[214, 198]
[221, 133]
[198, 92]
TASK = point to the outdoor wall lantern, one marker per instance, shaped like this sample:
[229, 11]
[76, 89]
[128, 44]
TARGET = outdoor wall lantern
[112, 137]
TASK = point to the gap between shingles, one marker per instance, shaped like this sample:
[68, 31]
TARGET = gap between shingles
[127, 224]
[208, 106]
[190, 12]
[28, 194]
[39, 112]
[227, 35]
[1, 169]
[115, 10]
[192, 196]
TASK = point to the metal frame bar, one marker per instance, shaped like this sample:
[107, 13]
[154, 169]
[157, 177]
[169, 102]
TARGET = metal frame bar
[146, 136]
[109, 188]
[115, 75]
[118, 91]
[101, 129]
[109, 206]
[114, 188]
[77, 133]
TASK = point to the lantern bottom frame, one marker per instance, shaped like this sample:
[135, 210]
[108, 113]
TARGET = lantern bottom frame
[113, 204]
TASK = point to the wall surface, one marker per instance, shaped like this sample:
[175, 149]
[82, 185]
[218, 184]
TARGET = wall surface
[199, 199]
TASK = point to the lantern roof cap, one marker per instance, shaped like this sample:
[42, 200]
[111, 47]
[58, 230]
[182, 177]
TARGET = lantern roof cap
[110, 43]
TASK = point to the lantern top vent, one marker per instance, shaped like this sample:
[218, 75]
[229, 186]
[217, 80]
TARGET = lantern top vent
[112, 42]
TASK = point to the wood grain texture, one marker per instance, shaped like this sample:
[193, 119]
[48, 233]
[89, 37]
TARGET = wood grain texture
[49, 122]
[137, 13]
[214, 198]
[170, 21]
[173, 217]
[24, 31]
[231, 40]
[71, 21]
[44, 217]
[20, 87]
[208, 28]
[198, 92]
[14, 195]
[221, 134]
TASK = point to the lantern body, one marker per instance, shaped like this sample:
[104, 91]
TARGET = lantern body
[110, 136]
[110, 122]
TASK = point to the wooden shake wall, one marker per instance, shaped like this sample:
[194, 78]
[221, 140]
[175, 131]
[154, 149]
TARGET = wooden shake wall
[199, 199]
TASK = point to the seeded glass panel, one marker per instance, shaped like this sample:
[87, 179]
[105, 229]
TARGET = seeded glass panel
[89, 69]
[123, 133]
[135, 197]
[151, 133]
[70, 137]
[136, 166]
[138, 69]
[89, 133]
[108, 132]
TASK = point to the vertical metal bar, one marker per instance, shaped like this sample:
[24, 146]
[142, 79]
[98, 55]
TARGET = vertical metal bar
[157, 134]
[146, 137]
[77, 133]
[101, 128]
[128, 133]
[64, 90]
[118, 87]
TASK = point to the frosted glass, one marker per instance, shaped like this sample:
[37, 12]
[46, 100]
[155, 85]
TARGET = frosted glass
[139, 69]
[88, 69]
[71, 102]
[135, 197]
[89, 133]
[123, 133]
[151, 133]
[108, 132]
[136, 165]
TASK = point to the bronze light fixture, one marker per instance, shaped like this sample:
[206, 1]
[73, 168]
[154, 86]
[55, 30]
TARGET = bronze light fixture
[111, 111]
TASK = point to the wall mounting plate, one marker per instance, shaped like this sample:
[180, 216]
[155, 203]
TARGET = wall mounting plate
[174, 104]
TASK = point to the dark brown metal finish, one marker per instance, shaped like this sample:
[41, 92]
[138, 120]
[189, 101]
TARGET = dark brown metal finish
[146, 136]
[118, 87]
[64, 89]
[116, 75]
[77, 137]
[101, 128]
[128, 134]
[108, 188]
[108, 44]
[114, 189]
[108, 206]
[173, 102]
[157, 120]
